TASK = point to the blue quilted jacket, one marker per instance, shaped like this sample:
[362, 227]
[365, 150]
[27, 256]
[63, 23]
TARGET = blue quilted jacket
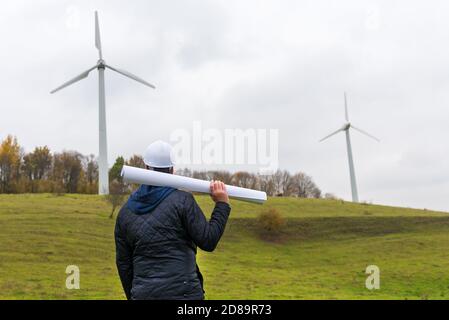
[156, 234]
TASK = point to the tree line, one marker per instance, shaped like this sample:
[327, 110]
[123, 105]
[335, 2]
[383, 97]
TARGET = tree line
[72, 172]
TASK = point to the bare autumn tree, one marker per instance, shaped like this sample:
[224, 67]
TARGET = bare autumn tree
[304, 187]
[67, 171]
[135, 161]
[254, 181]
[316, 192]
[266, 184]
[37, 166]
[185, 172]
[10, 163]
[244, 179]
[116, 196]
[277, 182]
[200, 175]
[286, 183]
[207, 175]
[223, 176]
[91, 177]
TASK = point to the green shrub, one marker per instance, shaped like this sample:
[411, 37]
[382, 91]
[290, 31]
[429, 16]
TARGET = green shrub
[270, 222]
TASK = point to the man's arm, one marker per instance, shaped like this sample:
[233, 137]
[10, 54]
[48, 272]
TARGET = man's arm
[123, 259]
[206, 234]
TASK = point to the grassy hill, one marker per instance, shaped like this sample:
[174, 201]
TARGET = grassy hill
[322, 252]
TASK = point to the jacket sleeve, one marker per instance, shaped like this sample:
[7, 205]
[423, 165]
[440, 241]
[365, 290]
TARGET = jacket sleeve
[205, 234]
[123, 258]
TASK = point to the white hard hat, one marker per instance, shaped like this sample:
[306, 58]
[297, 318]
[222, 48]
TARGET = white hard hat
[159, 154]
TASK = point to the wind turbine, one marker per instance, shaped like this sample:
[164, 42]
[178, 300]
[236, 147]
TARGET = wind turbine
[103, 183]
[346, 126]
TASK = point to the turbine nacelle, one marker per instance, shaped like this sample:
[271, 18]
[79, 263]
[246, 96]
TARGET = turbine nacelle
[101, 63]
[346, 126]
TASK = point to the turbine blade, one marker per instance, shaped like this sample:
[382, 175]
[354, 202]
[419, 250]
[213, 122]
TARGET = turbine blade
[333, 133]
[365, 133]
[346, 109]
[97, 35]
[131, 76]
[76, 79]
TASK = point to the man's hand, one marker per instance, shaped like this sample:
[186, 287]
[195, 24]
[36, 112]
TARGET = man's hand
[218, 192]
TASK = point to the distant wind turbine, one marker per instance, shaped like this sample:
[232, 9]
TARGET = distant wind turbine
[103, 183]
[345, 128]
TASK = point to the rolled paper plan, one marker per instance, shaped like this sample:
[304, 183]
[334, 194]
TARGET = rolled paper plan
[154, 178]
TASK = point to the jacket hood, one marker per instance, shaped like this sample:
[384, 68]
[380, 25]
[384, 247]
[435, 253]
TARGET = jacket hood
[146, 198]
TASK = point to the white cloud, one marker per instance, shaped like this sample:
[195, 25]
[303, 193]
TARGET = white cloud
[246, 64]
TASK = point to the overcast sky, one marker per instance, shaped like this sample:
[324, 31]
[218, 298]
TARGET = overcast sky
[244, 64]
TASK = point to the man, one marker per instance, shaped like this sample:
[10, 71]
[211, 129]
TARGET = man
[157, 232]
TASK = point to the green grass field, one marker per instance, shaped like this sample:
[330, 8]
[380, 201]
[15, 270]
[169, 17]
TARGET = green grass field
[322, 253]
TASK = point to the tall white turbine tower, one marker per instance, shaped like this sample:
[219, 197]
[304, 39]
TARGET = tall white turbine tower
[346, 126]
[103, 183]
